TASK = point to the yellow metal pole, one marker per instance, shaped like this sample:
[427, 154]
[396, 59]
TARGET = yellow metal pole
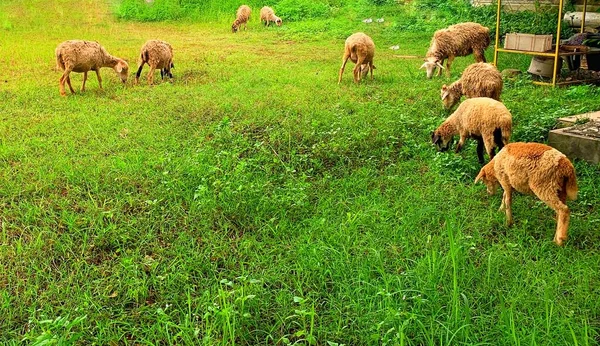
[497, 33]
[556, 57]
[583, 17]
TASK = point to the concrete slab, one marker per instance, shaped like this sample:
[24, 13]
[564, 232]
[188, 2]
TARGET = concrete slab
[573, 119]
[578, 142]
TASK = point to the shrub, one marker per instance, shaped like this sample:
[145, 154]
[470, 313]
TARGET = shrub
[295, 10]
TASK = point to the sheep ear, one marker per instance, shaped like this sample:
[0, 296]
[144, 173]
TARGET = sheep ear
[444, 95]
[434, 137]
[480, 176]
[444, 87]
[423, 66]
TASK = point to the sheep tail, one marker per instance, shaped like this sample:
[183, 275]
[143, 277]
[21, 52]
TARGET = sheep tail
[570, 186]
[59, 62]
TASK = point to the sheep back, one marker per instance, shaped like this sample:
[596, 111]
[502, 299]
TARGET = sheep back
[360, 44]
[480, 116]
[156, 53]
[81, 56]
[459, 40]
[536, 167]
[478, 80]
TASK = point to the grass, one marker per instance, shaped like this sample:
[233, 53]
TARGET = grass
[255, 201]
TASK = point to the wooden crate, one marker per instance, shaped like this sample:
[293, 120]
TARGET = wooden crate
[528, 42]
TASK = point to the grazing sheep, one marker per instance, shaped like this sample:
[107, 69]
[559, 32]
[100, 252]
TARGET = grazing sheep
[360, 49]
[533, 168]
[268, 15]
[478, 80]
[83, 56]
[158, 55]
[242, 17]
[456, 40]
[481, 118]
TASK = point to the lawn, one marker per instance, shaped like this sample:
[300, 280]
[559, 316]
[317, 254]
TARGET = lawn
[256, 201]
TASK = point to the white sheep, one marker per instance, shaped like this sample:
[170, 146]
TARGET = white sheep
[267, 15]
[457, 40]
[158, 55]
[478, 80]
[483, 119]
[83, 56]
[242, 17]
[359, 48]
[533, 168]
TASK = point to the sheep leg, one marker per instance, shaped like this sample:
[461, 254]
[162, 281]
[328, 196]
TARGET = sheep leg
[507, 204]
[479, 56]
[439, 70]
[488, 142]
[460, 143]
[448, 64]
[480, 150]
[83, 83]
[151, 76]
[139, 73]
[99, 78]
[344, 61]
[69, 83]
[554, 201]
[356, 70]
[371, 68]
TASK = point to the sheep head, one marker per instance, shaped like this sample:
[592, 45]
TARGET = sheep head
[430, 65]
[234, 27]
[441, 142]
[488, 177]
[278, 21]
[364, 69]
[449, 96]
[122, 69]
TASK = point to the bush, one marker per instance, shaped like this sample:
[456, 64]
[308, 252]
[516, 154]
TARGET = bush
[149, 11]
[295, 10]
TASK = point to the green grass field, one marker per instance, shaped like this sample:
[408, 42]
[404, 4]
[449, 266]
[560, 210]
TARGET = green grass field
[255, 201]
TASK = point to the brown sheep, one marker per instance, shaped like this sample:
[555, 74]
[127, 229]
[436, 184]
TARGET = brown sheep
[478, 80]
[457, 40]
[533, 168]
[242, 17]
[158, 55]
[83, 56]
[359, 48]
[267, 15]
[483, 119]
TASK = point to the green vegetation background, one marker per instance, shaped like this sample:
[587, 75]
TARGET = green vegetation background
[254, 201]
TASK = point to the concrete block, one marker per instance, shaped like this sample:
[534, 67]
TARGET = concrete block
[572, 120]
[578, 142]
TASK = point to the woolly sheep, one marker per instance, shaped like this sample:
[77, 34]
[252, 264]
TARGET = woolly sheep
[457, 40]
[158, 55]
[83, 56]
[483, 119]
[478, 80]
[242, 17]
[268, 15]
[360, 49]
[533, 168]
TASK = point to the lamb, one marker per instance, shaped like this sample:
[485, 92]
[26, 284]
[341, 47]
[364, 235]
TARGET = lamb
[478, 80]
[457, 40]
[483, 119]
[157, 54]
[242, 17]
[533, 168]
[360, 49]
[83, 56]
[268, 15]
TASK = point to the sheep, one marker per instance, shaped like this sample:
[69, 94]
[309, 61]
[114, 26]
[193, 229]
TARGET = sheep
[483, 119]
[242, 17]
[268, 15]
[157, 54]
[533, 168]
[457, 40]
[83, 56]
[478, 80]
[360, 49]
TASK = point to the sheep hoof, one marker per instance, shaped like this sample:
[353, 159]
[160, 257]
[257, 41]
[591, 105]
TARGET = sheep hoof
[559, 241]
